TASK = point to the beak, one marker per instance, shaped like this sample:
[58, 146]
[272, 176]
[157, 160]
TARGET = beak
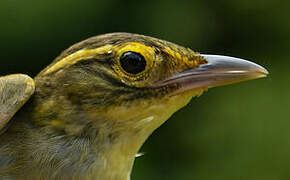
[218, 71]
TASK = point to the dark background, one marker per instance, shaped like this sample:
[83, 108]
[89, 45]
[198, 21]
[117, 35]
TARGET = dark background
[236, 132]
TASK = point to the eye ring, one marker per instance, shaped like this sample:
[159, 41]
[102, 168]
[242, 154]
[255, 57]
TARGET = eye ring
[132, 62]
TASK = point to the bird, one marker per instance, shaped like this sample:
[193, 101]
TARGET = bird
[86, 115]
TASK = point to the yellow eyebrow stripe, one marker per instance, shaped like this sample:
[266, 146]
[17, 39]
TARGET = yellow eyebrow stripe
[76, 57]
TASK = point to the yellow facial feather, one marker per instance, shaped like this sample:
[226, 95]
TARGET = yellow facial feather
[78, 56]
[146, 51]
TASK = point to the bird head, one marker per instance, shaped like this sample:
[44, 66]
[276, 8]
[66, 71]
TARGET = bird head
[123, 86]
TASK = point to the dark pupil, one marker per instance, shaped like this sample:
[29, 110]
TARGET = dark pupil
[132, 62]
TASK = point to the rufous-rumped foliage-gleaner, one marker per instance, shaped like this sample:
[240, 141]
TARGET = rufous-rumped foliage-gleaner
[86, 115]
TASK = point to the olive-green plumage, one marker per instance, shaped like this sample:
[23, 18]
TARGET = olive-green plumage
[96, 104]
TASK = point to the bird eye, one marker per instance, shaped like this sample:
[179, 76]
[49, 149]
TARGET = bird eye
[132, 62]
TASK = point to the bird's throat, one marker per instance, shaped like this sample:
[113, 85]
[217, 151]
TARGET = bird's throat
[96, 144]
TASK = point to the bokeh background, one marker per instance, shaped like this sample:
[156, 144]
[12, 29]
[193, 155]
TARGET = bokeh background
[239, 132]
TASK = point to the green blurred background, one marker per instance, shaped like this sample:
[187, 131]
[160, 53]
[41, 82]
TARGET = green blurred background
[235, 132]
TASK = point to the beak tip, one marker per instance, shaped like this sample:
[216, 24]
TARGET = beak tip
[264, 71]
[232, 64]
[261, 71]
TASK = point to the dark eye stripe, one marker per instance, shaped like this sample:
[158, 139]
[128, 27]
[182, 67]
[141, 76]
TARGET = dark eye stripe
[132, 62]
[89, 66]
